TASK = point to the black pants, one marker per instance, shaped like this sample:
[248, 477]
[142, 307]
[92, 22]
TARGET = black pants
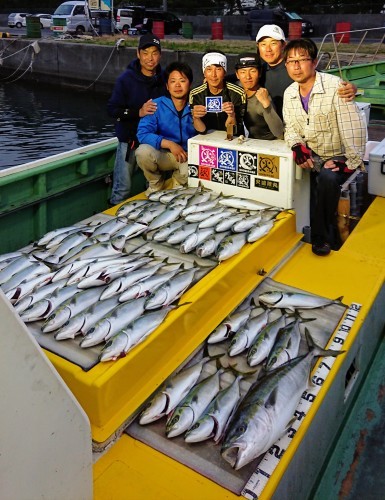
[325, 190]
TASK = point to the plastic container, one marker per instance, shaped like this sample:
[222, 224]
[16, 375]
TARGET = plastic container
[217, 30]
[158, 29]
[295, 30]
[376, 170]
[187, 30]
[33, 27]
[343, 37]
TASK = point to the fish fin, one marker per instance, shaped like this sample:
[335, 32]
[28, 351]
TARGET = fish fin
[319, 350]
[272, 399]
[290, 423]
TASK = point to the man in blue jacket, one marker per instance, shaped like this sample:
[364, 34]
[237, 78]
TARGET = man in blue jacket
[163, 135]
[131, 99]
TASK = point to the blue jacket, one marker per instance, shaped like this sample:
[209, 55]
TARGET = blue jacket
[132, 89]
[166, 123]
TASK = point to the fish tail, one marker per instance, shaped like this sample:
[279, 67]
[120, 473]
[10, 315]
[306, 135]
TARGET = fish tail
[318, 350]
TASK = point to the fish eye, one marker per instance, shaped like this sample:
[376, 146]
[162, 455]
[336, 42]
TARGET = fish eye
[242, 428]
[195, 426]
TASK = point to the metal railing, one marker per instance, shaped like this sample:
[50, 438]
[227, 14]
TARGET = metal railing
[340, 37]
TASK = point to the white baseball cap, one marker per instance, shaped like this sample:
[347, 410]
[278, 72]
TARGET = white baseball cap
[270, 31]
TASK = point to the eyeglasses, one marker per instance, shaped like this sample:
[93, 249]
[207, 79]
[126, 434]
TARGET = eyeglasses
[294, 62]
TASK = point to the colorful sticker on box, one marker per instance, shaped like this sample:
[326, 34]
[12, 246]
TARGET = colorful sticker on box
[208, 156]
[247, 163]
[193, 171]
[217, 175]
[266, 184]
[205, 173]
[214, 104]
[227, 159]
[230, 178]
[268, 166]
[243, 181]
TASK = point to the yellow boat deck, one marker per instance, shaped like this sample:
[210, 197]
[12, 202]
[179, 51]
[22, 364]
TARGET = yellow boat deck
[130, 469]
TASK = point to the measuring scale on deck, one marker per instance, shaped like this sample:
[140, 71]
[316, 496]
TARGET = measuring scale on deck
[257, 482]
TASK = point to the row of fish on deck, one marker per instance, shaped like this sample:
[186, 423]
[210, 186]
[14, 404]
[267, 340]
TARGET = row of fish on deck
[244, 391]
[88, 280]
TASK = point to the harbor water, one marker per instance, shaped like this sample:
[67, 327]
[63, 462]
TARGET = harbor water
[39, 121]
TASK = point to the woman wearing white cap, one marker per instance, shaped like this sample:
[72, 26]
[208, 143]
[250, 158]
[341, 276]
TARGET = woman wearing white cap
[217, 104]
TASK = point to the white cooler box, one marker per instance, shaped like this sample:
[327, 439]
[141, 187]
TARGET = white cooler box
[255, 169]
[376, 170]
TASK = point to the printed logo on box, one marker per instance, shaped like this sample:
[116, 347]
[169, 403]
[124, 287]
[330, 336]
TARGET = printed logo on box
[208, 156]
[227, 159]
[217, 175]
[243, 181]
[214, 104]
[205, 173]
[248, 163]
[193, 171]
[230, 178]
[268, 166]
[266, 184]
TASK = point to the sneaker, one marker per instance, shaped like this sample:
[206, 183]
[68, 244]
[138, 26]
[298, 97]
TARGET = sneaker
[321, 249]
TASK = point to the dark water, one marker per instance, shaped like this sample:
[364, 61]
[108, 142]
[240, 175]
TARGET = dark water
[38, 121]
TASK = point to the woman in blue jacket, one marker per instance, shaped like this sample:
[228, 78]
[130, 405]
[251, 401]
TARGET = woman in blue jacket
[163, 135]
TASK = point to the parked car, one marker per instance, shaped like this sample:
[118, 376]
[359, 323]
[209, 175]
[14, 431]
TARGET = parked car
[72, 17]
[256, 18]
[172, 23]
[45, 20]
[16, 19]
[129, 17]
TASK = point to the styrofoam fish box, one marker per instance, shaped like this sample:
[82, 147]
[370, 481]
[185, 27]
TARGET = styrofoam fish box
[253, 169]
[376, 170]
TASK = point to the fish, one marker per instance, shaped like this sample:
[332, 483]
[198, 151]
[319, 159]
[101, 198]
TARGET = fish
[112, 323]
[198, 216]
[137, 331]
[27, 286]
[242, 203]
[166, 217]
[259, 231]
[212, 423]
[121, 284]
[170, 291]
[75, 251]
[68, 270]
[147, 285]
[246, 335]
[131, 230]
[70, 307]
[38, 294]
[172, 392]
[180, 234]
[230, 246]
[14, 266]
[86, 230]
[95, 250]
[213, 219]
[85, 320]
[286, 345]
[227, 223]
[195, 239]
[106, 276]
[128, 206]
[200, 197]
[162, 233]
[268, 409]
[209, 245]
[295, 300]
[42, 308]
[202, 207]
[150, 213]
[246, 223]
[46, 238]
[193, 405]
[27, 273]
[134, 214]
[263, 343]
[229, 325]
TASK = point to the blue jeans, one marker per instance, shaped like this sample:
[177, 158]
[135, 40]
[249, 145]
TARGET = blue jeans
[123, 171]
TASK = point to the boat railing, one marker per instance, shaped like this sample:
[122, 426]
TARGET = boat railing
[340, 37]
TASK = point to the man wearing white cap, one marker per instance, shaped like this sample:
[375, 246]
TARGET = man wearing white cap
[271, 42]
[217, 104]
